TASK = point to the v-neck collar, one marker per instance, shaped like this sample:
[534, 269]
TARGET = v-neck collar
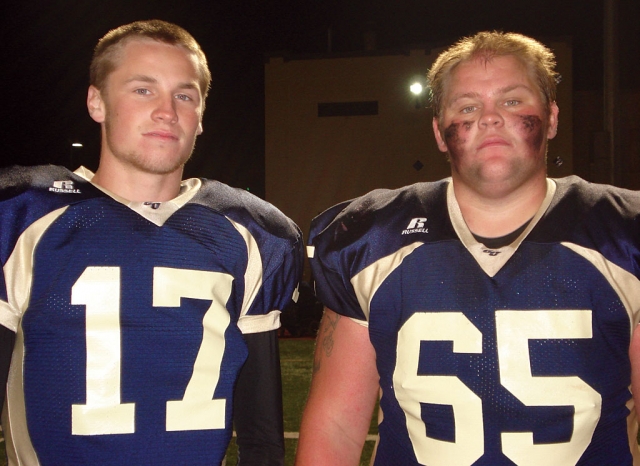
[155, 212]
[492, 260]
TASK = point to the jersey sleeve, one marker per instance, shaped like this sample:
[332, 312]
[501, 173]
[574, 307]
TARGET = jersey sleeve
[331, 258]
[274, 248]
[271, 281]
[7, 339]
[354, 236]
[258, 403]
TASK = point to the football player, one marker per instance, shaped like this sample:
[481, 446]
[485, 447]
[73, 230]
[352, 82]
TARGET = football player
[144, 308]
[494, 310]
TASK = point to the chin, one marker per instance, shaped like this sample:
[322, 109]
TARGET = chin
[160, 165]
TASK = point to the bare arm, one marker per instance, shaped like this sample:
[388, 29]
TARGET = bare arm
[343, 392]
[634, 356]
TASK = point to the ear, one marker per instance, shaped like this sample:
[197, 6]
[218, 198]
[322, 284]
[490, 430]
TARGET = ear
[553, 121]
[199, 130]
[442, 145]
[95, 104]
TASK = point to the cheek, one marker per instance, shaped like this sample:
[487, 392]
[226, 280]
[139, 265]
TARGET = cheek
[190, 121]
[455, 135]
[532, 129]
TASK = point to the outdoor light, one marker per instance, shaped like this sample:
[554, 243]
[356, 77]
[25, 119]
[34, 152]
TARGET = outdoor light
[75, 147]
[416, 88]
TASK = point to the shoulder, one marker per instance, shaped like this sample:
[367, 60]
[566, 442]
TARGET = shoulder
[349, 237]
[246, 209]
[383, 200]
[575, 188]
[42, 188]
[577, 197]
[27, 194]
[18, 179]
[390, 209]
[595, 216]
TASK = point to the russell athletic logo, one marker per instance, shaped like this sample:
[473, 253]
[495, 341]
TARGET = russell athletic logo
[416, 225]
[64, 187]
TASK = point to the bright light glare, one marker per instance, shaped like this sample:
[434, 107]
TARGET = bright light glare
[416, 88]
[76, 144]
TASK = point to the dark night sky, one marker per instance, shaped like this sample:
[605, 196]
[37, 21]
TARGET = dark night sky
[47, 45]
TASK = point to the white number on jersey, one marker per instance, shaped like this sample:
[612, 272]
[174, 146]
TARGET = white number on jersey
[98, 288]
[514, 330]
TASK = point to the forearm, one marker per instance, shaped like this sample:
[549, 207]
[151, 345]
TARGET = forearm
[324, 440]
[258, 404]
[343, 392]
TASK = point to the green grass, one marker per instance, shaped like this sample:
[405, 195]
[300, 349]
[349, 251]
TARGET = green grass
[296, 356]
[296, 359]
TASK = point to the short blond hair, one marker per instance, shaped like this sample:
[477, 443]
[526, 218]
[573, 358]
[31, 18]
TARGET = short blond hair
[105, 55]
[538, 59]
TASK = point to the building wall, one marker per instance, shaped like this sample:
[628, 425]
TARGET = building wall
[628, 144]
[591, 142]
[314, 162]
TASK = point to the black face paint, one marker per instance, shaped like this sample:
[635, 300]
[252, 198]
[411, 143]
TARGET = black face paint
[451, 135]
[452, 132]
[532, 124]
[454, 138]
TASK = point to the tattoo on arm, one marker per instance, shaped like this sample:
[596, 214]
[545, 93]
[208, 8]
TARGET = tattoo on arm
[325, 339]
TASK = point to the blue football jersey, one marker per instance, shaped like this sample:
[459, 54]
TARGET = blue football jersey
[130, 316]
[515, 355]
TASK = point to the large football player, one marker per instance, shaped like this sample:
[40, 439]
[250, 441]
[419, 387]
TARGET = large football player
[144, 308]
[494, 310]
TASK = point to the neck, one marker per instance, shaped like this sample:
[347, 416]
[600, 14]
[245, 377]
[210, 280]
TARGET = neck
[494, 213]
[138, 186]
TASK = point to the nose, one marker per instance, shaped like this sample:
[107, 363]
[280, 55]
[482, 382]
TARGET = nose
[491, 117]
[165, 110]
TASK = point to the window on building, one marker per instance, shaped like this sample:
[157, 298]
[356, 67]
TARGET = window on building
[330, 109]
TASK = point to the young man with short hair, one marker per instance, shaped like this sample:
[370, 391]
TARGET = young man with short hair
[494, 310]
[145, 308]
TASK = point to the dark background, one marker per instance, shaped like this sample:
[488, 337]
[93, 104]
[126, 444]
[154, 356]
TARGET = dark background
[46, 46]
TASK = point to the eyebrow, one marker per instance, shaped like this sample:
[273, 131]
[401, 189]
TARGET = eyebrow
[148, 79]
[502, 90]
